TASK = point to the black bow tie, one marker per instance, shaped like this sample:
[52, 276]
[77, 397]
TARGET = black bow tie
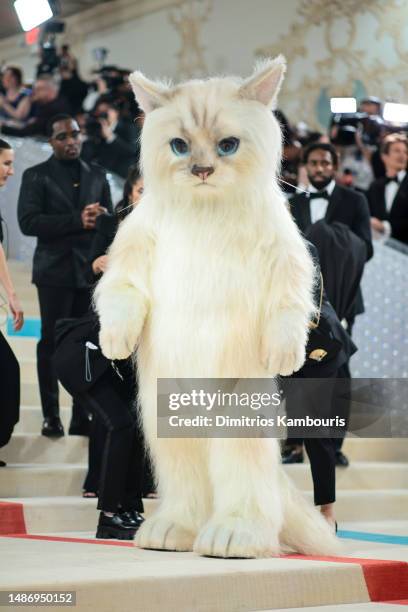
[391, 179]
[319, 194]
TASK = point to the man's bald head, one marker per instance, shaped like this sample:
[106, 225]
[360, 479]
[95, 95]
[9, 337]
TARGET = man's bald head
[45, 89]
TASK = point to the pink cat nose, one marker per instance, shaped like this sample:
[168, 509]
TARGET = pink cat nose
[202, 171]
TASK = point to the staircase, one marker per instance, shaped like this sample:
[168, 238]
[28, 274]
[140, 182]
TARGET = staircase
[43, 480]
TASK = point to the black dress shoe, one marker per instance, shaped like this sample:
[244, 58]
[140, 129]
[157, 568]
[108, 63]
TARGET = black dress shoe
[52, 427]
[132, 518]
[2, 463]
[341, 459]
[79, 428]
[114, 528]
[294, 456]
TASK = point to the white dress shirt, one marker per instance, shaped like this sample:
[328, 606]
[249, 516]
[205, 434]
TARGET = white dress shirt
[391, 190]
[318, 206]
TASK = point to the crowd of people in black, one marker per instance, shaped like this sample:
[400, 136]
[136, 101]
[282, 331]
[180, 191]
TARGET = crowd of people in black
[105, 110]
[66, 204]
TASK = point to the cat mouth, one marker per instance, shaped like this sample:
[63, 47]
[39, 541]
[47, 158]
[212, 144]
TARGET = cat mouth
[204, 183]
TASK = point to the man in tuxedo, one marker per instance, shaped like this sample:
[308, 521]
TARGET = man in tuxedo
[59, 202]
[388, 196]
[328, 202]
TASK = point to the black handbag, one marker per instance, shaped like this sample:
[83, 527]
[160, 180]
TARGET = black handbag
[322, 346]
[78, 358]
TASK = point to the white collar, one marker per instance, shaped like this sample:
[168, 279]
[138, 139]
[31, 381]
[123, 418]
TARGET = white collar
[329, 188]
[400, 175]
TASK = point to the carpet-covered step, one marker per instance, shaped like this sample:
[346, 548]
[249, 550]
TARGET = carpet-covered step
[24, 480]
[31, 419]
[28, 370]
[24, 288]
[118, 577]
[358, 476]
[30, 395]
[354, 607]
[33, 448]
[350, 506]
[378, 505]
[23, 348]
[376, 449]
[53, 514]
[30, 307]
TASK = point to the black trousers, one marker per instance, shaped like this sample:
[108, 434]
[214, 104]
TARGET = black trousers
[10, 391]
[116, 445]
[57, 303]
[321, 451]
[341, 406]
[343, 387]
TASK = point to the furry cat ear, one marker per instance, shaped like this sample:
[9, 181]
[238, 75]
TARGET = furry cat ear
[149, 94]
[266, 81]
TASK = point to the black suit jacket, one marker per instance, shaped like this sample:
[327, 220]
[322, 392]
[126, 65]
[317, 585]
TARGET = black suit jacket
[398, 215]
[345, 206]
[46, 210]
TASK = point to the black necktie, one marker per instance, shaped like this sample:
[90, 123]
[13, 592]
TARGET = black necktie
[391, 179]
[318, 194]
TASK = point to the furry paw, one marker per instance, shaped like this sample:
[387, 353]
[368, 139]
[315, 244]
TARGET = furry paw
[163, 534]
[287, 361]
[237, 538]
[118, 341]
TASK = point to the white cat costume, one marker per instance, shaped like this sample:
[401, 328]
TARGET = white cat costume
[209, 278]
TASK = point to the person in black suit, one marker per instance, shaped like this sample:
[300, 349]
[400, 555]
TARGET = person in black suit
[388, 196]
[327, 200]
[113, 142]
[331, 203]
[309, 392]
[59, 202]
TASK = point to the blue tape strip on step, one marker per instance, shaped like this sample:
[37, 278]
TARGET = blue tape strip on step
[31, 328]
[381, 538]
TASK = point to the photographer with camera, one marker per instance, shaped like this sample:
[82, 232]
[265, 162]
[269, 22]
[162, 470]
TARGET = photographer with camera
[112, 141]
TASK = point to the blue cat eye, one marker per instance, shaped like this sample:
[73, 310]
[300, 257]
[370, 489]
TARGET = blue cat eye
[179, 147]
[227, 146]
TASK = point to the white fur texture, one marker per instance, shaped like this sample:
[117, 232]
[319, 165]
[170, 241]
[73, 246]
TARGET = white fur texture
[213, 280]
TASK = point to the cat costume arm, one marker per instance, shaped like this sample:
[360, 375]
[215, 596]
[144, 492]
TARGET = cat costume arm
[287, 311]
[288, 305]
[122, 296]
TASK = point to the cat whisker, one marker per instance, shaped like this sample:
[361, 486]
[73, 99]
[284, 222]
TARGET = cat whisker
[290, 185]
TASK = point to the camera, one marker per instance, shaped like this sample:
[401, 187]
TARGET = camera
[349, 124]
[50, 60]
[93, 127]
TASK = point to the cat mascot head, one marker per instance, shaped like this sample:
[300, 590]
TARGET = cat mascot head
[210, 139]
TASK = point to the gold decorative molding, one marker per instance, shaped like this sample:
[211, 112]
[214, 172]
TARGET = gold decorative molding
[380, 73]
[188, 18]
